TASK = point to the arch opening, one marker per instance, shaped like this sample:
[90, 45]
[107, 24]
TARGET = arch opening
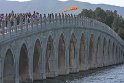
[109, 50]
[104, 50]
[116, 53]
[81, 51]
[72, 64]
[113, 47]
[8, 72]
[61, 55]
[23, 64]
[113, 53]
[91, 48]
[49, 54]
[36, 60]
[99, 53]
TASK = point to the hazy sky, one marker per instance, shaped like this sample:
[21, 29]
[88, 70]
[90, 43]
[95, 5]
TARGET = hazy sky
[19, 0]
[111, 2]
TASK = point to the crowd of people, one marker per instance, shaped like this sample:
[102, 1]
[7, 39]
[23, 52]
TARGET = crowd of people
[18, 16]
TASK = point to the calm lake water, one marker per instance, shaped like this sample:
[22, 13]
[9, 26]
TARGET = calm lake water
[112, 74]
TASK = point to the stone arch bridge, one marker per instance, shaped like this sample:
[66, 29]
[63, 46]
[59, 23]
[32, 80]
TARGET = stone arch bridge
[57, 45]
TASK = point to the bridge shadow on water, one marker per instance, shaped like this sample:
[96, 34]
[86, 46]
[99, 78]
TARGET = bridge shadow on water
[76, 76]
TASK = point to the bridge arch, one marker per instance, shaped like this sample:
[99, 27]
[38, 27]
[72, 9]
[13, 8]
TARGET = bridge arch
[109, 47]
[119, 53]
[113, 52]
[116, 53]
[61, 55]
[91, 49]
[82, 51]
[99, 51]
[49, 55]
[72, 57]
[104, 50]
[23, 64]
[36, 60]
[9, 68]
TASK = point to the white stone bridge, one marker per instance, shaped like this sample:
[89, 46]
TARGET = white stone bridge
[58, 45]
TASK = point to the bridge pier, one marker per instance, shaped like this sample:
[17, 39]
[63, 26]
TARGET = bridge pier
[16, 73]
[87, 65]
[1, 69]
[67, 55]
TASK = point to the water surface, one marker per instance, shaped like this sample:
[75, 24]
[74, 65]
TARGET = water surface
[111, 74]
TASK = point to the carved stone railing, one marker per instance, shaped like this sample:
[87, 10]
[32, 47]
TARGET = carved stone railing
[11, 29]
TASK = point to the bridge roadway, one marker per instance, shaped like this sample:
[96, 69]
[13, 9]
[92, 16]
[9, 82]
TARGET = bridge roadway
[58, 45]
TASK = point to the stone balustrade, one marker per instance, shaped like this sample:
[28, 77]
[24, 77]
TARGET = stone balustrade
[44, 22]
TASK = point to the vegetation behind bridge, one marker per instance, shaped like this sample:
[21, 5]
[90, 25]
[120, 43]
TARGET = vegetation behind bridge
[110, 18]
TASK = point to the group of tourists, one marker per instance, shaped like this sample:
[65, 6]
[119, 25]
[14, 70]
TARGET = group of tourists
[17, 16]
[22, 17]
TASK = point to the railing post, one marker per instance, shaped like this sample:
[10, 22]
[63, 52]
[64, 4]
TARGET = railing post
[26, 23]
[31, 22]
[2, 25]
[52, 17]
[36, 21]
[48, 18]
[62, 18]
[9, 26]
[15, 24]
[59, 17]
[40, 20]
[75, 20]
[44, 19]
[71, 18]
[80, 19]
[56, 18]
[21, 23]
[67, 18]
[5, 27]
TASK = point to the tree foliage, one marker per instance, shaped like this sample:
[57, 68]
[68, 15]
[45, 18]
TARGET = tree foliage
[110, 18]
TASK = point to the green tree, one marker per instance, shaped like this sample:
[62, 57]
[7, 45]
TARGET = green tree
[111, 18]
[100, 14]
[87, 13]
[121, 33]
